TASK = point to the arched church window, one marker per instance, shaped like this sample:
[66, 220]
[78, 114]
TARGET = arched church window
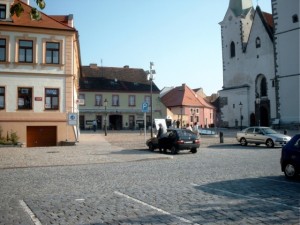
[257, 42]
[232, 49]
[295, 18]
[263, 87]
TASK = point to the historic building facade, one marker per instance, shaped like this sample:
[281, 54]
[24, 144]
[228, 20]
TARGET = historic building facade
[248, 94]
[113, 97]
[39, 71]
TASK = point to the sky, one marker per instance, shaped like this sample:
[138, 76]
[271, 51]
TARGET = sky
[181, 37]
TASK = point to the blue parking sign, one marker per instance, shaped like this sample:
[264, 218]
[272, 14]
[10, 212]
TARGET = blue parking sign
[145, 107]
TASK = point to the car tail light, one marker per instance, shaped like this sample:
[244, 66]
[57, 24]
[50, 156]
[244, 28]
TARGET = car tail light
[197, 141]
[180, 142]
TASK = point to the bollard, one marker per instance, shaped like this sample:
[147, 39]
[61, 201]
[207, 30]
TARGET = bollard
[221, 137]
[285, 132]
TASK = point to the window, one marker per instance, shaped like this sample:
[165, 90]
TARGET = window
[131, 100]
[148, 100]
[295, 18]
[2, 50]
[25, 51]
[51, 98]
[98, 100]
[81, 98]
[115, 100]
[2, 11]
[24, 98]
[232, 50]
[2, 97]
[52, 52]
[257, 42]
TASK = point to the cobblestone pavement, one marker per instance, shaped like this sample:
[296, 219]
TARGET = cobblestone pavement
[221, 184]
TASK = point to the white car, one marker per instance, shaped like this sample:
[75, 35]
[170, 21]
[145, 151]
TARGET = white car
[262, 135]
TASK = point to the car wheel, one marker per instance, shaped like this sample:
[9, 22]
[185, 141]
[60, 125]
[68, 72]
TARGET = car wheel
[243, 142]
[270, 143]
[290, 171]
[151, 147]
[194, 150]
[174, 150]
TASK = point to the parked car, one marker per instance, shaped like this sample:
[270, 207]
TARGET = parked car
[175, 140]
[290, 157]
[262, 135]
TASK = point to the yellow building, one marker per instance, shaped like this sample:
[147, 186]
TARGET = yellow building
[114, 96]
[39, 70]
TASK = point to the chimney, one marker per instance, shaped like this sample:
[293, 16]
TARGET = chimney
[126, 67]
[70, 20]
[26, 1]
[93, 65]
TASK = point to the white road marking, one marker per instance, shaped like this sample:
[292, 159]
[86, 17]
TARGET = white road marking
[248, 197]
[155, 208]
[33, 217]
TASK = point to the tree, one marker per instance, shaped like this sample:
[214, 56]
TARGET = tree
[17, 9]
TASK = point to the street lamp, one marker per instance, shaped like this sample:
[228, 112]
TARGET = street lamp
[150, 77]
[258, 109]
[241, 107]
[105, 117]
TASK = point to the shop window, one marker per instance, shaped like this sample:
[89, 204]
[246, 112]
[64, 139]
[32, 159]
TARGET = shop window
[2, 97]
[51, 98]
[24, 98]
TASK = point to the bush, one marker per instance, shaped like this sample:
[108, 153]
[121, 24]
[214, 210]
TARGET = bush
[11, 138]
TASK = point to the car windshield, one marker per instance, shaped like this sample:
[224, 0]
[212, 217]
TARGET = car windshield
[185, 133]
[269, 131]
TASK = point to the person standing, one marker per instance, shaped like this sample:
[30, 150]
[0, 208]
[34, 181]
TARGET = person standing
[94, 125]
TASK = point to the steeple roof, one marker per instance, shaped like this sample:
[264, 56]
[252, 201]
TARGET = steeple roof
[240, 7]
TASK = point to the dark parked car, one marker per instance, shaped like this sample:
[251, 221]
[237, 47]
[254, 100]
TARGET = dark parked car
[262, 135]
[175, 140]
[290, 157]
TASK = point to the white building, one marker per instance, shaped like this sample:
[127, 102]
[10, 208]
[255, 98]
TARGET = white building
[287, 59]
[248, 94]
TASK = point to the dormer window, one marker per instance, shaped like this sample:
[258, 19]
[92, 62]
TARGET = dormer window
[2, 11]
[257, 42]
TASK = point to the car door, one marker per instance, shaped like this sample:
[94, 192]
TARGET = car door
[295, 153]
[249, 135]
[258, 136]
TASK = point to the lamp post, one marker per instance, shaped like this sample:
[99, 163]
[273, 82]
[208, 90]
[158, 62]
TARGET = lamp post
[258, 109]
[241, 107]
[150, 77]
[105, 117]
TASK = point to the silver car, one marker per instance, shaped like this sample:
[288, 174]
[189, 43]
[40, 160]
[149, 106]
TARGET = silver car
[262, 135]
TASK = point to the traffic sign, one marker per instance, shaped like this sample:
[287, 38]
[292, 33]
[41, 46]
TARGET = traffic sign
[145, 107]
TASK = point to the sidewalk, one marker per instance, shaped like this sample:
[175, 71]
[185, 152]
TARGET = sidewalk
[92, 148]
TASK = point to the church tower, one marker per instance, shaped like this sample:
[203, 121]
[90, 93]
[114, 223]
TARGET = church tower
[248, 66]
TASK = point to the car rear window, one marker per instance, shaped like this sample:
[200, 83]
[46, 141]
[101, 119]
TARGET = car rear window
[185, 133]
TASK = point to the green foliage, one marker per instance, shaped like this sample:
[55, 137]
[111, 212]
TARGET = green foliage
[10, 139]
[17, 9]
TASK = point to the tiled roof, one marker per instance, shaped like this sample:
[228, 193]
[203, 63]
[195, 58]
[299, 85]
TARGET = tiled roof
[183, 96]
[124, 79]
[46, 21]
[101, 84]
[119, 73]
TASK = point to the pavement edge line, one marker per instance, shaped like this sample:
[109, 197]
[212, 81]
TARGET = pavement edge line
[33, 217]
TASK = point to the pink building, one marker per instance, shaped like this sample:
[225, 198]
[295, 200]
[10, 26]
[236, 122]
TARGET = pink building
[184, 105]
